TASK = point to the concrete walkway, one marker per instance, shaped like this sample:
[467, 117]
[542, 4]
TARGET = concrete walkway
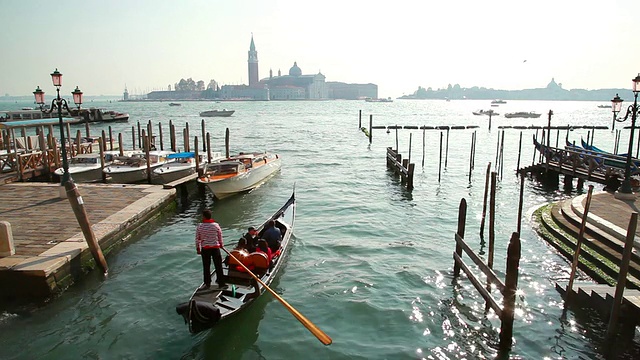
[50, 249]
[609, 214]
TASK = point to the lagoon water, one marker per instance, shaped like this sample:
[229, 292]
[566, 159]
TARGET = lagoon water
[371, 263]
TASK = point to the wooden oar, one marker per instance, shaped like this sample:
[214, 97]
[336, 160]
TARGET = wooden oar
[324, 338]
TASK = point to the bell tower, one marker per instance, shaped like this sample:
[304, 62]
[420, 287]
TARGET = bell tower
[253, 64]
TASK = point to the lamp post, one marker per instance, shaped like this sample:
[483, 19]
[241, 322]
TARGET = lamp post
[59, 103]
[616, 105]
[625, 191]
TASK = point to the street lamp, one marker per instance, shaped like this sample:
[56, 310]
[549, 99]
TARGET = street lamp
[59, 103]
[616, 105]
[625, 189]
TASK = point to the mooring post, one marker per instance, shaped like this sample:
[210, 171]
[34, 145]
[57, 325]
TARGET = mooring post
[133, 137]
[160, 135]
[204, 144]
[409, 157]
[424, 142]
[490, 120]
[498, 151]
[475, 142]
[533, 161]
[359, 119]
[462, 218]
[226, 143]
[77, 204]
[140, 136]
[103, 146]
[502, 156]
[197, 157]
[440, 161]
[174, 138]
[622, 276]
[446, 156]
[492, 219]
[150, 134]
[104, 175]
[557, 136]
[187, 145]
[397, 148]
[146, 146]
[519, 153]
[86, 126]
[371, 128]
[520, 202]
[410, 177]
[110, 138]
[120, 145]
[509, 294]
[470, 157]
[78, 140]
[484, 202]
[208, 148]
[576, 254]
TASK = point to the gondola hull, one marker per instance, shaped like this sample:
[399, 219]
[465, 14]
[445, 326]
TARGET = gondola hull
[208, 306]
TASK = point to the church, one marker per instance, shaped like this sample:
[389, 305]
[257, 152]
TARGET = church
[294, 86]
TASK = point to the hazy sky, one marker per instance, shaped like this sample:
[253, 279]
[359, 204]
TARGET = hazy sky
[399, 45]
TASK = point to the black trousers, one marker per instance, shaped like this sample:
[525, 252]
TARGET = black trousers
[207, 255]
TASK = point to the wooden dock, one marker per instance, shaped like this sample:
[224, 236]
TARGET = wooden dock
[600, 297]
[50, 249]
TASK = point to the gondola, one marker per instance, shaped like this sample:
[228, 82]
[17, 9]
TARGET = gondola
[208, 306]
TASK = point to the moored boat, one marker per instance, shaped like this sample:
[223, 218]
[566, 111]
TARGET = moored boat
[389, 99]
[522, 114]
[217, 113]
[175, 104]
[184, 164]
[207, 306]
[498, 101]
[133, 169]
[239, 173]
[485, 112]
[87, 167]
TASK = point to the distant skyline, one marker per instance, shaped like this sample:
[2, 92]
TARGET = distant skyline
[148, 45]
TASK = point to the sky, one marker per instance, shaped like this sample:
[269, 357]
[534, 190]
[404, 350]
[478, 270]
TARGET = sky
[145, 45]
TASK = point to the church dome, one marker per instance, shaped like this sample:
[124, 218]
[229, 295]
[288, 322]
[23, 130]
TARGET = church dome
[295, 70]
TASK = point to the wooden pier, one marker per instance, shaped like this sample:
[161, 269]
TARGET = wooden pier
[401, 166]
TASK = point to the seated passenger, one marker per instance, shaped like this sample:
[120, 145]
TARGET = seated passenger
[273, 236]
[242, 245]
[264, 248]
[251, 239]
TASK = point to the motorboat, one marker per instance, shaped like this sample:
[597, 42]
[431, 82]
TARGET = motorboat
[498, 101]
[217, 113]
[87, 167]
[522, 114]
[389, 99]
[485, 112]
[133, 169]
[239, 173]
[175, 104]
[209, 305]
[183, 164]
[79, 116]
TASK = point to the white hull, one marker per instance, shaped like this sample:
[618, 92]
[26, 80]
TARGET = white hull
[245, 181]
[172, 171]
[83, 174]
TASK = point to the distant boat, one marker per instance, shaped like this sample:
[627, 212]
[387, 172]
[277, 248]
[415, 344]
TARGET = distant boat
[213, 113]
[522, 114]
[604, 106]
[175, 104]
[498, 101]
[389, 99]
[485, 112]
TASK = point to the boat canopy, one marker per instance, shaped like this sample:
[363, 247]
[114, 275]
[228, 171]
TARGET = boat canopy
[182, 155]
[35, 123]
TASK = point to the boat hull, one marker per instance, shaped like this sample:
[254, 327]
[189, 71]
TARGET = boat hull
[243, 182]
[84, 174]
[171, 172]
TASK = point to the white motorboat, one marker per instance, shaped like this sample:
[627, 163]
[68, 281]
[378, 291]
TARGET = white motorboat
[133, 169]
[184, 164]
[217, 113]
[239, 173]
[87, 167]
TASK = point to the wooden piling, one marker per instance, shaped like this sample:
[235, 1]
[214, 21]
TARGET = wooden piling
[359, 119]
[622, 276]
[519, 153]
[78, 137]
[490, 121]
[533, 161]
[186, 139]
[133, 137]
[440, 161]
[473, 157]
[484, 202]
[502, 156]
[226, 143]
[77, 204]
[208, 148]
[195, 148]
[410, 176]
[120, 145]
[576, 254]
[140, 137]
[86, 126]
[146, 145]
[498, 152]
[397, 148]
[509, 293]
[204, 144]
[492, 219]
[110, 138]
[172, 129]
[371, 129]
[150, 134]
[470, 157]
[520, 202]
[424, 144]
[409, 157]
[462, 217]
[446, 156]
[160, 135]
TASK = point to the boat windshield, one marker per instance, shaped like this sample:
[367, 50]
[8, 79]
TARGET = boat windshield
[84, 160]
[225, 168]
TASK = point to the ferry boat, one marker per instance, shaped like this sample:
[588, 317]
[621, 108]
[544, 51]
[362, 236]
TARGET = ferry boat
[240, 173]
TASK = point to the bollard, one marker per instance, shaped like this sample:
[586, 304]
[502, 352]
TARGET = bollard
[7, 247]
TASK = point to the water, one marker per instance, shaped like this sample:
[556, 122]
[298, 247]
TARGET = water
[370, 264]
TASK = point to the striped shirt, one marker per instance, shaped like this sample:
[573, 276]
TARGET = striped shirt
[208, 235]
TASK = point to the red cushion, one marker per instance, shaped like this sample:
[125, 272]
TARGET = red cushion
[241, 269]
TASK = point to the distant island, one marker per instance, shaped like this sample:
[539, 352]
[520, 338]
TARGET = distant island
[553, 91]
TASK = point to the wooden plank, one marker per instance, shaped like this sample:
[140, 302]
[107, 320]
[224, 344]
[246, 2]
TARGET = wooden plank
[633, 301]
[476, 283]
[180, 181]
[492, 277]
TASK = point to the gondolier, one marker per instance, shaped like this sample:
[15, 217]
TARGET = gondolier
[208, 244]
